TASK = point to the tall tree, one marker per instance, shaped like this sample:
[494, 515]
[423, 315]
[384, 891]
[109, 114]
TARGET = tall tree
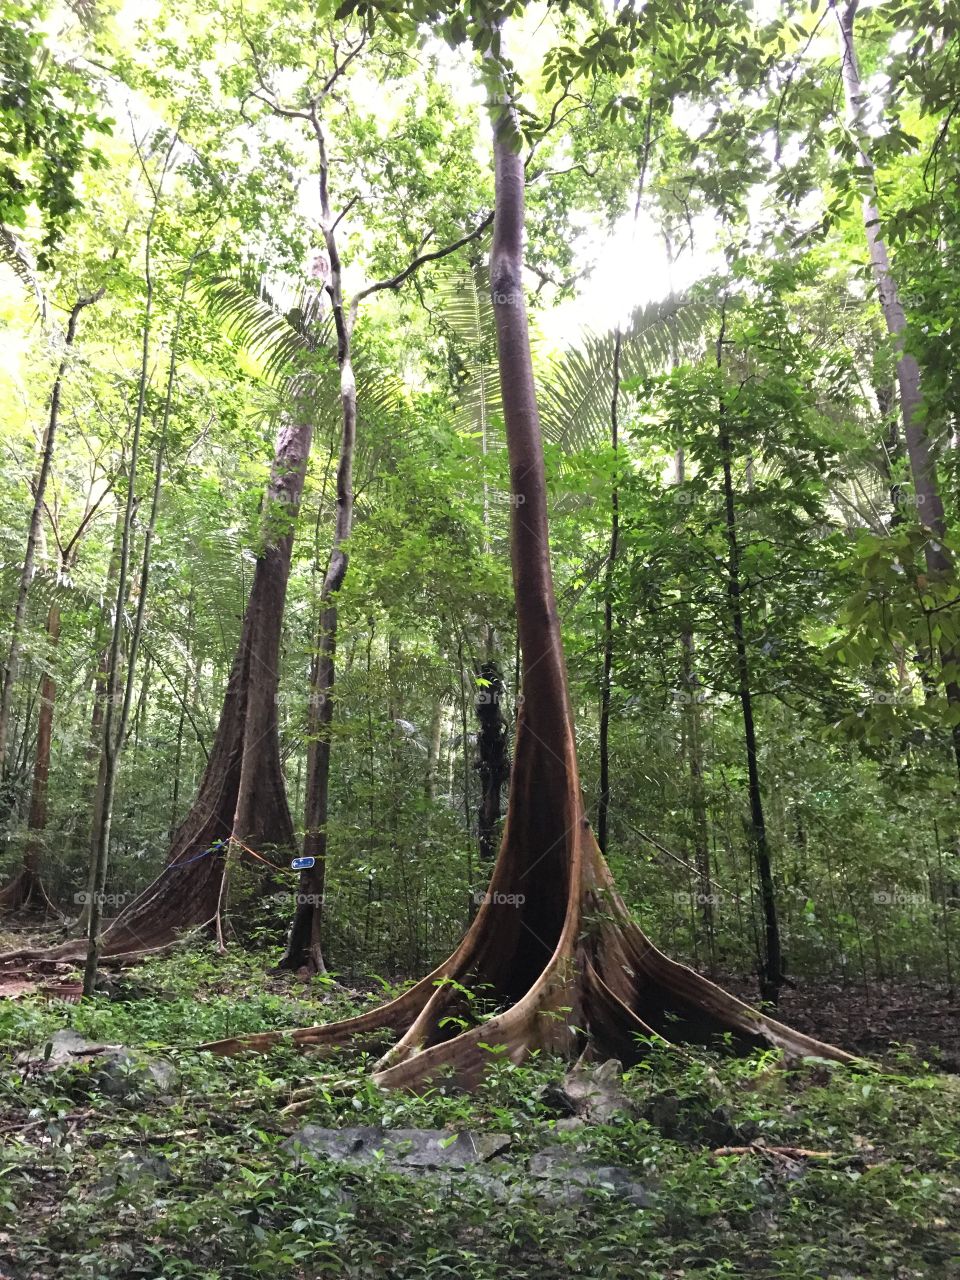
[552, 957]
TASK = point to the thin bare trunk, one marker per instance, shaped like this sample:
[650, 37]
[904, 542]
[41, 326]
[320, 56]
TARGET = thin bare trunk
[305, 942]
[606, 681]
[493, 759]
[771, 966]
[433, 752]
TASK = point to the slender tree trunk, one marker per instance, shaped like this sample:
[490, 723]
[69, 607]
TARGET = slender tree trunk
[184, 695]
[698, 803]
[694, 751]
[433, 752]
[771, 968]
[36, 518]
[305, 940]
[920, 451]
[493, 759]
[606, 681]
[115, 719]
[114, 723]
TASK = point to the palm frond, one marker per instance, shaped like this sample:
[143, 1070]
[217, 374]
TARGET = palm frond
[467, 313]
[576, 392]
[278, 324]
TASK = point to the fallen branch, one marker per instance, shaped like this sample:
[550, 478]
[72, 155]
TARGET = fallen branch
[785, 1153]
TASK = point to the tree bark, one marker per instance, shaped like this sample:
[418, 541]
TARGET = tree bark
[433, 752]
[305, 940]
[241, 794]
[304, 943]
[771, 965]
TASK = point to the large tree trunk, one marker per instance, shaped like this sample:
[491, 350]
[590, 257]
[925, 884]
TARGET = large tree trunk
[241, 793]
[920, 453]
[552, 955]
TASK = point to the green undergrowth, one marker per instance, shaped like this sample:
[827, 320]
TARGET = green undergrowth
[217, 1191]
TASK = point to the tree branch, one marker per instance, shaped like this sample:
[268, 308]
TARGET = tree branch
[394, 282]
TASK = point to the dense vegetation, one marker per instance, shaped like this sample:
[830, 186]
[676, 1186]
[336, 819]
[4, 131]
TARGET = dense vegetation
[269, 448]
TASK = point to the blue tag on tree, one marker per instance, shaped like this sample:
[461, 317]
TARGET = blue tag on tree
[302, 864]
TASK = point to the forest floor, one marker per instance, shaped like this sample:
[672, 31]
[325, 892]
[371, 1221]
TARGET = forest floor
[166, 1163]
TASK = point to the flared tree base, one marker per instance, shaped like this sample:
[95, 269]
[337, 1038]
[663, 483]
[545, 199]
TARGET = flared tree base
[26, 892]
[603, 988]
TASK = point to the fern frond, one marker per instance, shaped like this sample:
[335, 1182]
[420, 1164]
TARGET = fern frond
[278, 325]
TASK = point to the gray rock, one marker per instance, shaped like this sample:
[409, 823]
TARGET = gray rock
[400, 1148]
[115, 1070]
[134, 1168]
[556, 1175]
[120, 1072]
[62, 1049]
[590, 1093]
[564, 1176]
